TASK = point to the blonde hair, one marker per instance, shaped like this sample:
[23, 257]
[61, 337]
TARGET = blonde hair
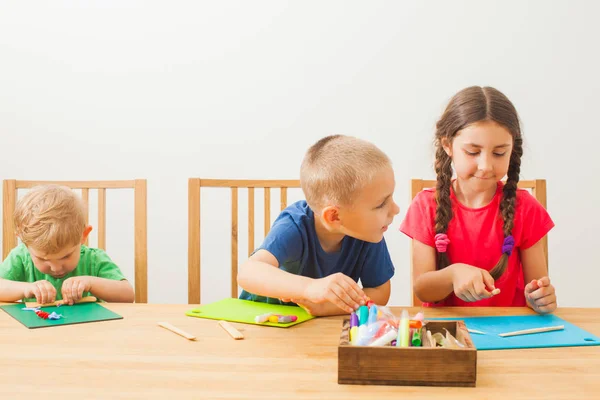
[50, 218]
[337, 167]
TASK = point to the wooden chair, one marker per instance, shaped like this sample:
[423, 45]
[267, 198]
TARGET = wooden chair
[140, 229]
[538, 190]
[194, 186]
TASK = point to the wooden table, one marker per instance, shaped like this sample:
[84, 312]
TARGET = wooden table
[134, 358]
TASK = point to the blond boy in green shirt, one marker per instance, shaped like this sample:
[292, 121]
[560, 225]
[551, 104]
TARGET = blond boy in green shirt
[52, 263]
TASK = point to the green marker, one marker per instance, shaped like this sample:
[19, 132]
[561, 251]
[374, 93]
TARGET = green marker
[416, 338]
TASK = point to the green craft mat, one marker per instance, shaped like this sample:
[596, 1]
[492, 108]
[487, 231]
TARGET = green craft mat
[244, 311]
[76, 314]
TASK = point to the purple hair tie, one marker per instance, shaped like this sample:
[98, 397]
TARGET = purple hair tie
[508, 245]
[441, 242]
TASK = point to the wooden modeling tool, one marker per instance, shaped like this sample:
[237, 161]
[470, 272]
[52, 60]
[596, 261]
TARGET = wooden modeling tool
[237, 335]
[87, 299]
[176, 330]
[534, 330]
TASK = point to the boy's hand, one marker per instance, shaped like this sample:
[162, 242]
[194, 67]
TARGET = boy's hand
[472, 283]
[43, 291]
[339, 289]
[73, 288]
[541, 295]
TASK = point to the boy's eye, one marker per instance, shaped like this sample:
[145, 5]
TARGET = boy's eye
[381, 205]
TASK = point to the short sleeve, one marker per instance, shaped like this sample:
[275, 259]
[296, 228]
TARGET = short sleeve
[419, 220]
[535, 220]
[378, 267]
[13, 267]
[106, 267]
[284, 241]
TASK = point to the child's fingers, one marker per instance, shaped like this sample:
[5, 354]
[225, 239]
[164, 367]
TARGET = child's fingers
[531, 287]
[341, 295]
[541, 292]
[353, 290]
[479, 290]
[66, 292]
[545, 281]
[546, 300]
[488, 280]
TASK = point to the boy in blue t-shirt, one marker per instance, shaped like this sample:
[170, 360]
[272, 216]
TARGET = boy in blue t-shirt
[318, 249]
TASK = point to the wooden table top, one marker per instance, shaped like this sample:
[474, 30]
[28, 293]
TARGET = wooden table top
[135, 358]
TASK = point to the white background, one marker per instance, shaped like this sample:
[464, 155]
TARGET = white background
[166, 90]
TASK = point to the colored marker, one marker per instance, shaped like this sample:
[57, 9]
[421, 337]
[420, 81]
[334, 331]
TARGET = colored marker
[403, 331]
[353, 329]
[372, 315]
[416, 338]
[363, 315]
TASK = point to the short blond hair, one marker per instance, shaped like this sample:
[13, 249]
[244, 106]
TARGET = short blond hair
[50, 218]
[337, 167]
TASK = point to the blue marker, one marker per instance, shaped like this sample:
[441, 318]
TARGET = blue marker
[363, 315]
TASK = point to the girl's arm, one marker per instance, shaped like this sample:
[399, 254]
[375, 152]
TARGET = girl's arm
[539, 292]
[468, 283]
[429, 285]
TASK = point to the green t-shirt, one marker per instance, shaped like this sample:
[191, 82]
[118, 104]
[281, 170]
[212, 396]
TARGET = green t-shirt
[18, 266]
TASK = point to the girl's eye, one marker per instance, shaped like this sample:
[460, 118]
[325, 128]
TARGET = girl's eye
[471, 154]
[499, 154]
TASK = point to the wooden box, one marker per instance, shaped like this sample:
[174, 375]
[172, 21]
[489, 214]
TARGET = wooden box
[410, 366]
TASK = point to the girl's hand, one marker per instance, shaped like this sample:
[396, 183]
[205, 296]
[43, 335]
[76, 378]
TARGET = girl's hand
[541, 295]
[472, 283]
[43, 291]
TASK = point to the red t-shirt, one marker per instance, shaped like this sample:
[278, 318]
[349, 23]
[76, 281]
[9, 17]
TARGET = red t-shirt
[476, 238]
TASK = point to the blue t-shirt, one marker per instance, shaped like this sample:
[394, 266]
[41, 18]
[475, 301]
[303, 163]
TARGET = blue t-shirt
[294, 243]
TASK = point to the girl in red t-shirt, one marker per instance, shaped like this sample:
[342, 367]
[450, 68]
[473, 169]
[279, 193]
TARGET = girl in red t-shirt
[477, 240]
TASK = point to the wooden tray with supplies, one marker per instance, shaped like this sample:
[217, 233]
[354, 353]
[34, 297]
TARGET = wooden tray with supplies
[410, 366]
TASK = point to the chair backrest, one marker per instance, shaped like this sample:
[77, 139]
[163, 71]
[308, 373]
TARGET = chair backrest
[10, 241]
[538, 190]
[194, 186]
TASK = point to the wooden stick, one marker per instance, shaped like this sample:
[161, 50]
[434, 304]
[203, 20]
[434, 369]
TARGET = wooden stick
[475, 331]
[87, 299]
[178, 331]
[237, 335]
[534, 330]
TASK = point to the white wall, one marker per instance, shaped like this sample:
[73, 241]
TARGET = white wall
[167, 90]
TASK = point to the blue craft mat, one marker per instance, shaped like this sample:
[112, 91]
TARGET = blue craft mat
[569, 337]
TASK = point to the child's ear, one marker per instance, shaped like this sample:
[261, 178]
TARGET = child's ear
[330, 215]
[86, 233]
[447, 145]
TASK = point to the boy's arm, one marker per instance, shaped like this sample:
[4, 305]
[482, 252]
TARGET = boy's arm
[261, 275]
[12, 287]
[111, 290]
[380, 295]
[11, 290]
